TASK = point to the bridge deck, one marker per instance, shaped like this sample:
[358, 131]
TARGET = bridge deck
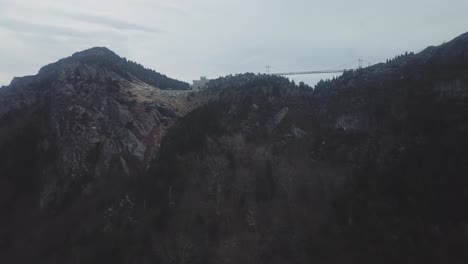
[308, 72]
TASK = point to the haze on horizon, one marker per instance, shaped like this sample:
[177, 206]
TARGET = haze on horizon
[187, 39]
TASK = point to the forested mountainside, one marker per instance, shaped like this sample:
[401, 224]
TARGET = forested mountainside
[366, 168]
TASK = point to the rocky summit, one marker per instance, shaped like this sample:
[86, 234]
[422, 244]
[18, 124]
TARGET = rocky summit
[105, 161]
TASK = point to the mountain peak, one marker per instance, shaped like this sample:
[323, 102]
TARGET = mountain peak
[95, 51]
[105, 59]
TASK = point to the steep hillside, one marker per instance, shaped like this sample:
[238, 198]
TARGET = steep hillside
[368, 168]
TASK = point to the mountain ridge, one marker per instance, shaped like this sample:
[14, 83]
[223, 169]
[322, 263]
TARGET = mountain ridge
[368, 167]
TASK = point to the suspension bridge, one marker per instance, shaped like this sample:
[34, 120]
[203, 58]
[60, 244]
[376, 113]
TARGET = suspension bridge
[199, 84]
[360, 62]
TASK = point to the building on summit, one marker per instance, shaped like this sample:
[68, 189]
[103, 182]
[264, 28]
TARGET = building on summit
[200, 84]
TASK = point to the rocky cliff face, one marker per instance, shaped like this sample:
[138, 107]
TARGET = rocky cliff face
[366, 168]
[78, 130]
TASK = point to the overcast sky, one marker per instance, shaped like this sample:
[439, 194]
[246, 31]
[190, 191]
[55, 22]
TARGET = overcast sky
[189, 38]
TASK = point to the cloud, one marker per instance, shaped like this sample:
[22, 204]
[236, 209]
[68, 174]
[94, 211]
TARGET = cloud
[43, 19]
[109, 22]
[39, 29]
[163, 7]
